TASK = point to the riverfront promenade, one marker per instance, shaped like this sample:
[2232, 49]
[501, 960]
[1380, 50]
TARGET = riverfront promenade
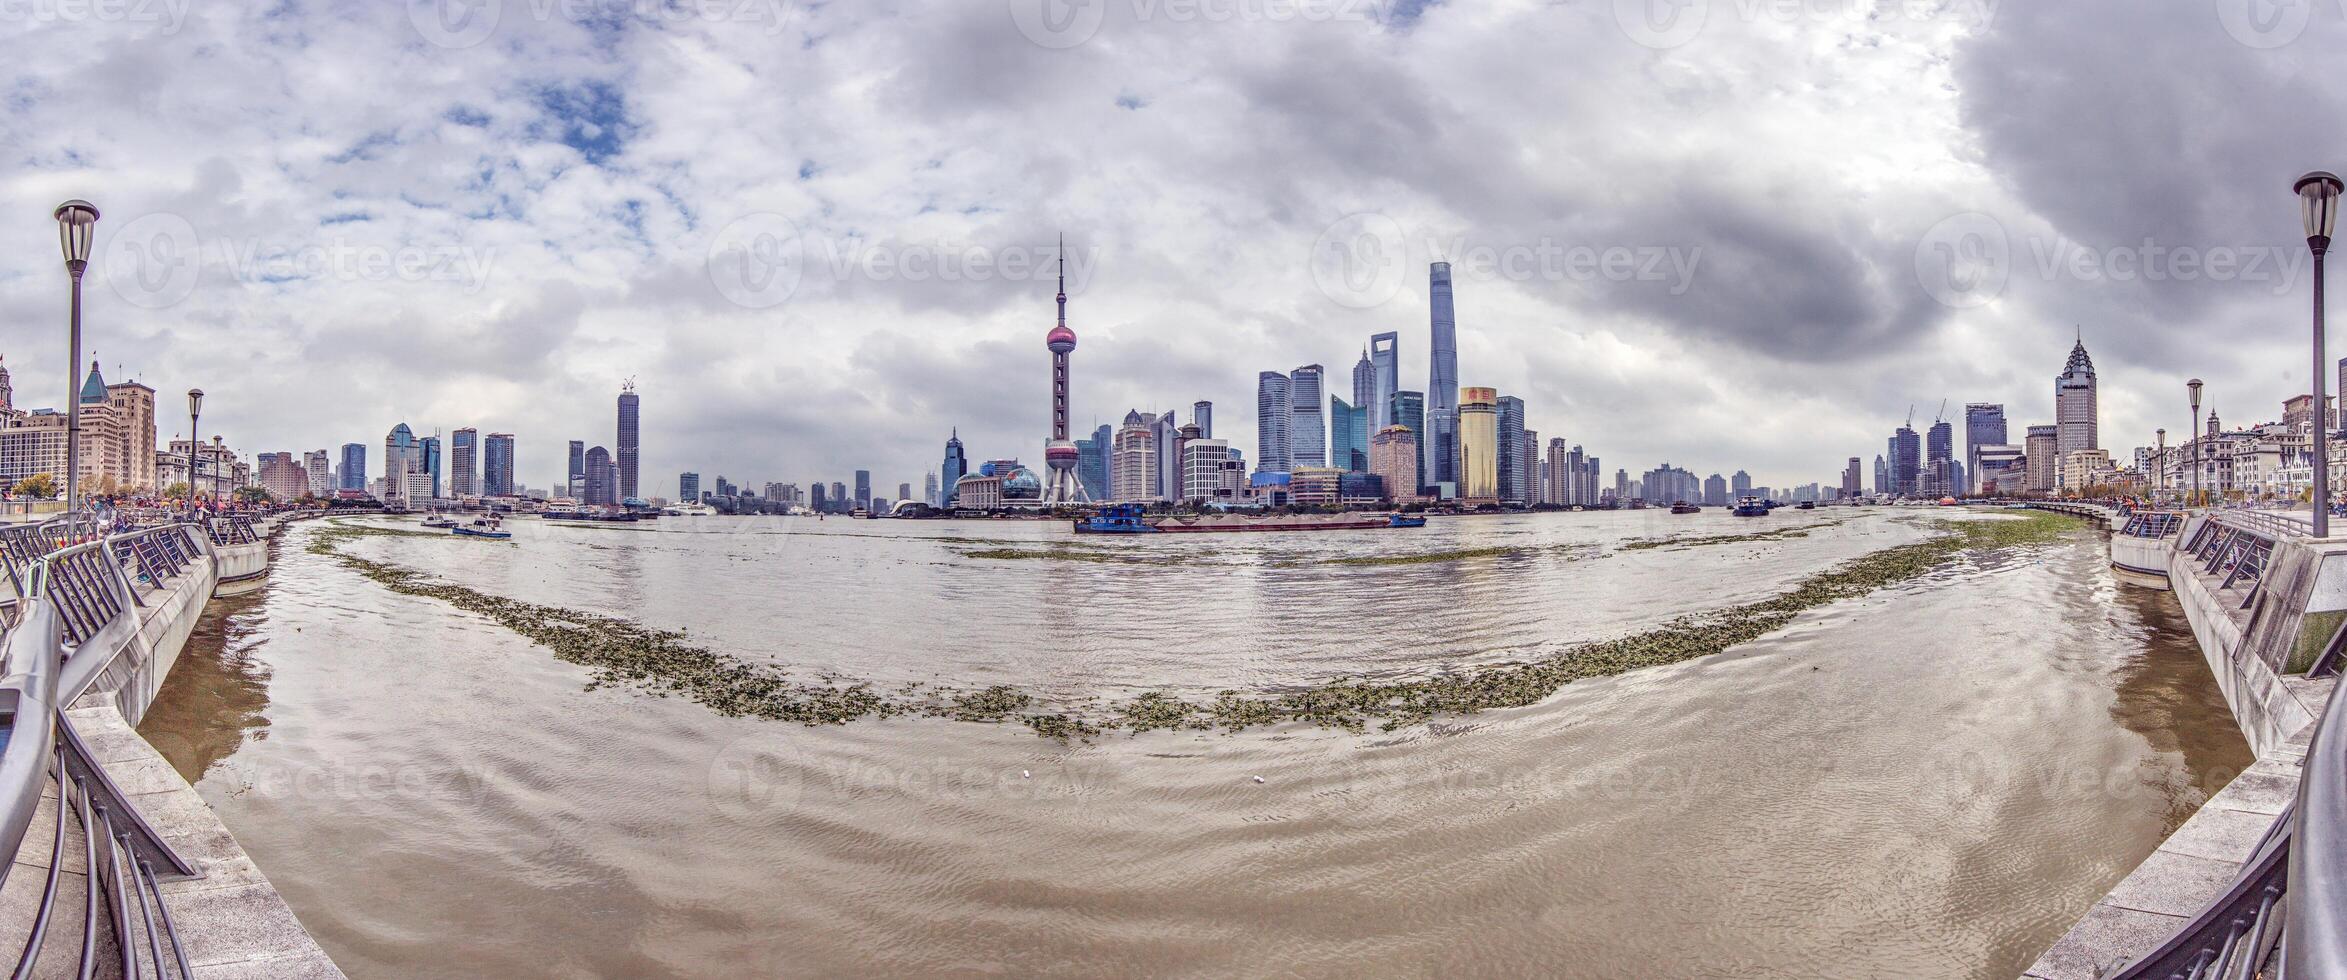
[2267, 603]
[93, 629]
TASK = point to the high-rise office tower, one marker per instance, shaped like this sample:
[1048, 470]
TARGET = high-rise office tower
[464, 464]
[1513, 472]
[1938, 455]
[1272, 413]
[601, 477]
[688, 487]
[1850, 485]
[951, 472]
[354, 466]
[1132, 470]
[497, 464]
[1906, 461]
[319, 473]
[1061, 484]
[1307, 423]
[1479, 446]
[1442, 380]
[928, 491]
[1408, 410]
[1165, 439]
[2074, 408]
[864, 487]
[1348, 436]
[1984, 425]
[1201, 413]
[428, 449]
[575, 478]
[1364, 381]
[1385, 359]
[626, 463]
[2041, 456]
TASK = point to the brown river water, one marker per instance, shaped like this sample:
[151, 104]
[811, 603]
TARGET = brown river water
[1935, 780]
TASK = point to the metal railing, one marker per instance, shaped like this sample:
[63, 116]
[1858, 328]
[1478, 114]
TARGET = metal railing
[2152, 524]
[2238, 549]
[2285, 913]
[86, 591]
[2273, 523]
[236, 529]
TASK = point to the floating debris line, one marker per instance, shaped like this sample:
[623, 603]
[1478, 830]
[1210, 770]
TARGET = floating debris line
[1773, 534]
[621, 652]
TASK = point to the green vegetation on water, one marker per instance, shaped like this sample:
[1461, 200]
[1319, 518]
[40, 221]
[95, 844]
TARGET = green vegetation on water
[618, 651]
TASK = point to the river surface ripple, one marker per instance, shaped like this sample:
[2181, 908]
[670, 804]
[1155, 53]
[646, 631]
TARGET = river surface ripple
[1932, 781]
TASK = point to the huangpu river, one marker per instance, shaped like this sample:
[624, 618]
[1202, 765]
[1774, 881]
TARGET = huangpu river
[1931, 779]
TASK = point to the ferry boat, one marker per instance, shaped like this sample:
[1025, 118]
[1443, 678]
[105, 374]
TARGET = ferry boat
[689, 510]
[1683, 507]
[439, 520]
[1116, 519]
[1751, 507]
[1805, 505]
[481, 527]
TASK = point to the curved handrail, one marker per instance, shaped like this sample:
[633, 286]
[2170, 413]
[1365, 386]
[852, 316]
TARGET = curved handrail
[2317, 917]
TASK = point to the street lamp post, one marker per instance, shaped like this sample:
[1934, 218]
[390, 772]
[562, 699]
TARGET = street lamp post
[2192, 445]
[2159, 469]
[76, 224]
[2318, 197]
[195, 409]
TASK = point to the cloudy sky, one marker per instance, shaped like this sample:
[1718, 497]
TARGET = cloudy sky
[1722, 233]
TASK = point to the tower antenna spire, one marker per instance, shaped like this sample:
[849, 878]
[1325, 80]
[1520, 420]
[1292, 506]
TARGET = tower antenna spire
[1062, 251]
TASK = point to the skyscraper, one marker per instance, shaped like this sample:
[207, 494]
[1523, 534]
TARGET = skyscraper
[1408, 410]
[1906, 461]
[1092, 462]
[1741, 483]
[1850, 485]
[1715, 491]
[1307, 424]
[1272, 413]
[1385, 356]
[1364, 382]
[1513, 473]
[1132, 469]
[627, 441]
[1348, 434]
[1393, 456]
[864, 488]
[929, 493]
[1165, 438]
[951, 472]
[464, 450]
[1984, 425]
[428, 450]
[1442, 380]
[601, 477]
[688, 487]
[575, 478]
[319, 471]
[1201, 413]
[2041, 456]
[1479, 446]
[399, 460]
[2074, 408]
[354, 466]
[497, 464]
[1938, 457]
[1060, 455]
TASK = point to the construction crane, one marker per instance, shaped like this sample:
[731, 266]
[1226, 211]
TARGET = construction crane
[1936, 419]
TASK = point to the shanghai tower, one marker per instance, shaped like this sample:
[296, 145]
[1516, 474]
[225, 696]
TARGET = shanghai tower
[627, 440]
[1059, 452]
[1442, 383]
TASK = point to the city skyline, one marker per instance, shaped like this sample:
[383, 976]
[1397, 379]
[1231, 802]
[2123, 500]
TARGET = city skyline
[1812, 313]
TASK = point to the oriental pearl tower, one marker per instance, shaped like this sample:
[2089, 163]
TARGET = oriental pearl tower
[1063, 487]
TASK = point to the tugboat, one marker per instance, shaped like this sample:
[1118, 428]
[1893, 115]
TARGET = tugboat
[1116, 519]
[1751, 507]
[1406, 520]
[1683, 507]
